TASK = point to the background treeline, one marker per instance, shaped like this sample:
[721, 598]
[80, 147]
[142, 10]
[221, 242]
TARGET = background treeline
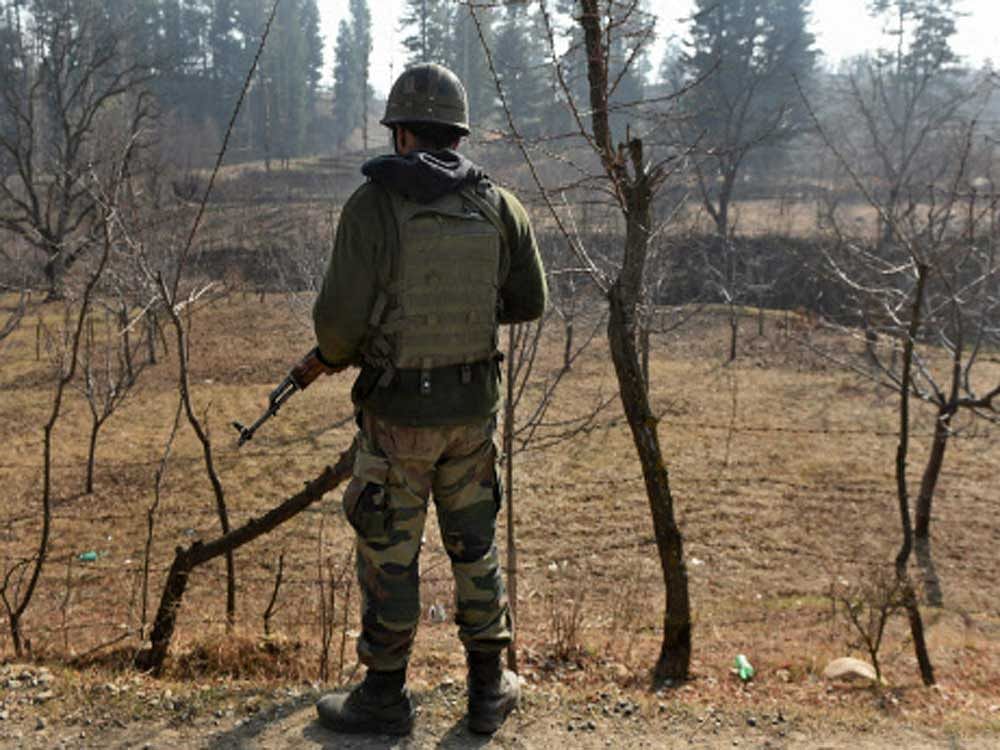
[197, 54]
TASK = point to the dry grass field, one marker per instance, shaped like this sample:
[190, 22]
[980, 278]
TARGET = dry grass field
[781, 466]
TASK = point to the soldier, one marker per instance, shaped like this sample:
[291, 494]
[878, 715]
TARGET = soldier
[430, 257]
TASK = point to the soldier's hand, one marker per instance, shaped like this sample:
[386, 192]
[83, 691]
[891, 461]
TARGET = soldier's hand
[310, 368]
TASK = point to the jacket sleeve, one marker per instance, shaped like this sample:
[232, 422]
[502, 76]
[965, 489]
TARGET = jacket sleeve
[343, 307]
[524, 293]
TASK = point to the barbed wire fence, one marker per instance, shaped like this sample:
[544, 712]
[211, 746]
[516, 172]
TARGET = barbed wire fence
[87, 593]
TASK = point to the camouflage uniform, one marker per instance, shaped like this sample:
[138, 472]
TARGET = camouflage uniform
[397, 468]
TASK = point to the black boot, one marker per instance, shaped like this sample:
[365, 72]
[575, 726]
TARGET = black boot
[493, 692]
[379, 705]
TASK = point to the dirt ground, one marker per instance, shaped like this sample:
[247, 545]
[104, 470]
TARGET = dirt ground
[781, 465]
[140, 713]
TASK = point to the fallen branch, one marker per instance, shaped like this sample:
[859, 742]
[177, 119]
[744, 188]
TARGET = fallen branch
[187, 559]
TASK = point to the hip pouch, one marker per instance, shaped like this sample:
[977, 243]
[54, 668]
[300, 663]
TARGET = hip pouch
[366, 501]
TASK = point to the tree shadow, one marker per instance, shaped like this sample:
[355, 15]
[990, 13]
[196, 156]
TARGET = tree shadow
[458, 737]
[932, 584]
[241, 735]
[315, 733]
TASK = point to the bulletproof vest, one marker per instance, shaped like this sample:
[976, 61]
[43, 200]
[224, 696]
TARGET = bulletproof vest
[439, 305]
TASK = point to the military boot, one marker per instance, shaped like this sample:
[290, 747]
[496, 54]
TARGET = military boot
[493, 692]
[379, 705]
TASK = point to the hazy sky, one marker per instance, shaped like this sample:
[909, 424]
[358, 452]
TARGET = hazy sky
[842, 29]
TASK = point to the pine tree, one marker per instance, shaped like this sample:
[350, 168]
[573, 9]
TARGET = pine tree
[176, 44]
[314, 50]
[468, 61]
[351, 90]
[522, 69]
[253, 126]
[222, 42]
[361, 50]
[14, 76]
[346, 95]
[923, 30]
[288, 94]
[429, 24]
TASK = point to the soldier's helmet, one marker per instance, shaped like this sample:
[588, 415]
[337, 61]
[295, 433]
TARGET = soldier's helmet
[428, 93]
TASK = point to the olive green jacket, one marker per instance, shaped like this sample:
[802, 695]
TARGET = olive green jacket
[366, 238]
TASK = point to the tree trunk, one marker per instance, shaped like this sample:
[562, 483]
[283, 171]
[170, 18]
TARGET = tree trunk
[151, 337]
[729, 258]
[126, 341]
[734, 331]
[95, 427]
[902, 494]
[932, 582]
[644, 346]
[206, 446]
[675, 652]
[53, 278]
[568, 348]
[932, 472]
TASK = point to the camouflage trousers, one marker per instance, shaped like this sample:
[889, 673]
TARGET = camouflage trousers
[396, 470]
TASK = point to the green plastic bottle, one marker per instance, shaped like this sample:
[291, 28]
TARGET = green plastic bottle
[743, 667]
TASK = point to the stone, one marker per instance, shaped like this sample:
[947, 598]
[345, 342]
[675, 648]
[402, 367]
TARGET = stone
[40, 724]
[849, 669]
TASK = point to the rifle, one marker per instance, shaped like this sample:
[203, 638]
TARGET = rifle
[300, 378]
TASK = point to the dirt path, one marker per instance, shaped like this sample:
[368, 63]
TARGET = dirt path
[545, 722]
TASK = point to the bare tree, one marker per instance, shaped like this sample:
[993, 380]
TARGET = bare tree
[745, 56]
[16, 599]
[917, 159]
[109, 376]
[189, 558]
[178, 299]
[904, 96]
[631, 180]
[867, 607]
[930, 283]
[64, 70]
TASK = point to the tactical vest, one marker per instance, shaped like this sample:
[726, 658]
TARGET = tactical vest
[438, 302]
